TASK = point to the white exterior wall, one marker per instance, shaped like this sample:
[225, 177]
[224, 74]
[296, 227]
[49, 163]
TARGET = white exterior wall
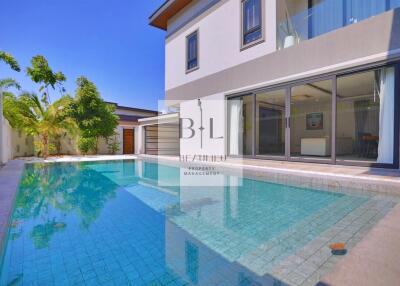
[14, 143]
[219, 40]
[103, 146]
[139, 140]
[6, 142]
[219, 31]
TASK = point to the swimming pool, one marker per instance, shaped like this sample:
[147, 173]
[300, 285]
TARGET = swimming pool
[110, 223]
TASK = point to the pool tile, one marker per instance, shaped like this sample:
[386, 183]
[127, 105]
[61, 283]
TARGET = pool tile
[118, 234]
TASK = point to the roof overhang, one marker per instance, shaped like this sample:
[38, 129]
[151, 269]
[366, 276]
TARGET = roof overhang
[161, 119]
[166, 11]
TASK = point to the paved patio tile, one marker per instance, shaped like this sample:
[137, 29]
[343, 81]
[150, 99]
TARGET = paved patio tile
[374, 261]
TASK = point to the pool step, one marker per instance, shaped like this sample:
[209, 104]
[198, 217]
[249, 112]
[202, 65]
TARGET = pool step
[263, 259]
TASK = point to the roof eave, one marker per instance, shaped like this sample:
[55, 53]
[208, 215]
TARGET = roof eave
[166, 11]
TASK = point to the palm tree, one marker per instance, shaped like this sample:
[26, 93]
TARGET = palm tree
[8, 83]
[40, 119]
[4, 84]
[9, 60]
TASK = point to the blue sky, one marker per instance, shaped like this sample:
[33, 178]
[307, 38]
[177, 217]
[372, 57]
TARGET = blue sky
[110, 42]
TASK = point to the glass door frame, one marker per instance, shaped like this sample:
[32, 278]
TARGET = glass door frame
[333, 77]
[290, 87]
[396, 145]
[270, 157]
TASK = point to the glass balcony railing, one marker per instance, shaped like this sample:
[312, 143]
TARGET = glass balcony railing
[296, 24]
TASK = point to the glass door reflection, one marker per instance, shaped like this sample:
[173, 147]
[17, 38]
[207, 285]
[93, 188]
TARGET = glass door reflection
[271, 123]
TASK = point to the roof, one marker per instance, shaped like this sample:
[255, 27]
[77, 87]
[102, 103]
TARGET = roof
[160, 119]
[129, 118]
[132, 108]
[166, 11]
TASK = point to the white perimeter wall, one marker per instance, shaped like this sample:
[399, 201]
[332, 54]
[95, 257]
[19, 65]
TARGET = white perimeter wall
[219, 40]
[14, 143]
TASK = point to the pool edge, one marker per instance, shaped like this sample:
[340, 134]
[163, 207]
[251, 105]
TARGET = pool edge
[10, 176]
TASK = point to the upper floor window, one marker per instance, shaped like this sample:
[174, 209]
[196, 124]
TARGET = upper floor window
[192, 52]
[252, 22]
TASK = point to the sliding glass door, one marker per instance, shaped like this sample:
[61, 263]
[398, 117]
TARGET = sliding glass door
[311, 121]
[271, 123]
[346, 119]
[365, 116]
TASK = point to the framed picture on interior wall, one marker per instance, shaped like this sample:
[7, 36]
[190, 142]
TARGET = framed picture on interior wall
[315, 121]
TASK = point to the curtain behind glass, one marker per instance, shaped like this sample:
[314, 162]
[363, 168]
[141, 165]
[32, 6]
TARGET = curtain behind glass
[192, 51]
[386, 117]
[235, 108]
[394, 4]
[326, 16]
[358, 10]
[361, 115]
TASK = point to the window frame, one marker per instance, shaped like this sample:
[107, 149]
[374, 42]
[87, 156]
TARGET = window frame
[188, 37]
[244, 46]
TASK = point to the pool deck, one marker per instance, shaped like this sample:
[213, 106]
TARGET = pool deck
[10, 175]
[372, 261]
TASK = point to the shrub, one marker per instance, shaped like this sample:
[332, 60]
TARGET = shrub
[113, 145]
[87, 145]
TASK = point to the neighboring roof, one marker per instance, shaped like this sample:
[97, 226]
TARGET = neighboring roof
[132, 108]
[166, 11]
[129, 118]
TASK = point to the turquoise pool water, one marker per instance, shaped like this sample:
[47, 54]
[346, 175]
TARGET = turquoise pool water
[109, 223]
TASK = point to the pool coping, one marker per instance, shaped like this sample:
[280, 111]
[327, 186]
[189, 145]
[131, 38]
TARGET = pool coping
[321, 180]
[10, 176]
[307, 175]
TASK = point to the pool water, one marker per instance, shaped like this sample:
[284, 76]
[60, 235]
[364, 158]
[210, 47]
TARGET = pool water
[109, 223]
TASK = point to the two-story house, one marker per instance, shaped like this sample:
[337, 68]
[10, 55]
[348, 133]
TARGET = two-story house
[299, 80]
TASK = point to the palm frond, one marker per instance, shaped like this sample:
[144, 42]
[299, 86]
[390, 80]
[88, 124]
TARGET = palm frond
[8, 83]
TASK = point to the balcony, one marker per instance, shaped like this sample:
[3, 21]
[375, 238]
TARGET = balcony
[300, 20]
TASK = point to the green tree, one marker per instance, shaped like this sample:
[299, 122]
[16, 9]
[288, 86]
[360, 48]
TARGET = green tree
[9, 60]
[94, 117]
[41, 73]
[42, 120]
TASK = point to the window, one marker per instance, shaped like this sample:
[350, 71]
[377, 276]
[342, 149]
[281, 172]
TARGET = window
[252, 21]
[192, 53]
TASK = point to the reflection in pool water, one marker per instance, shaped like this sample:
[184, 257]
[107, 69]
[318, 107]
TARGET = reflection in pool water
[110, 223]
